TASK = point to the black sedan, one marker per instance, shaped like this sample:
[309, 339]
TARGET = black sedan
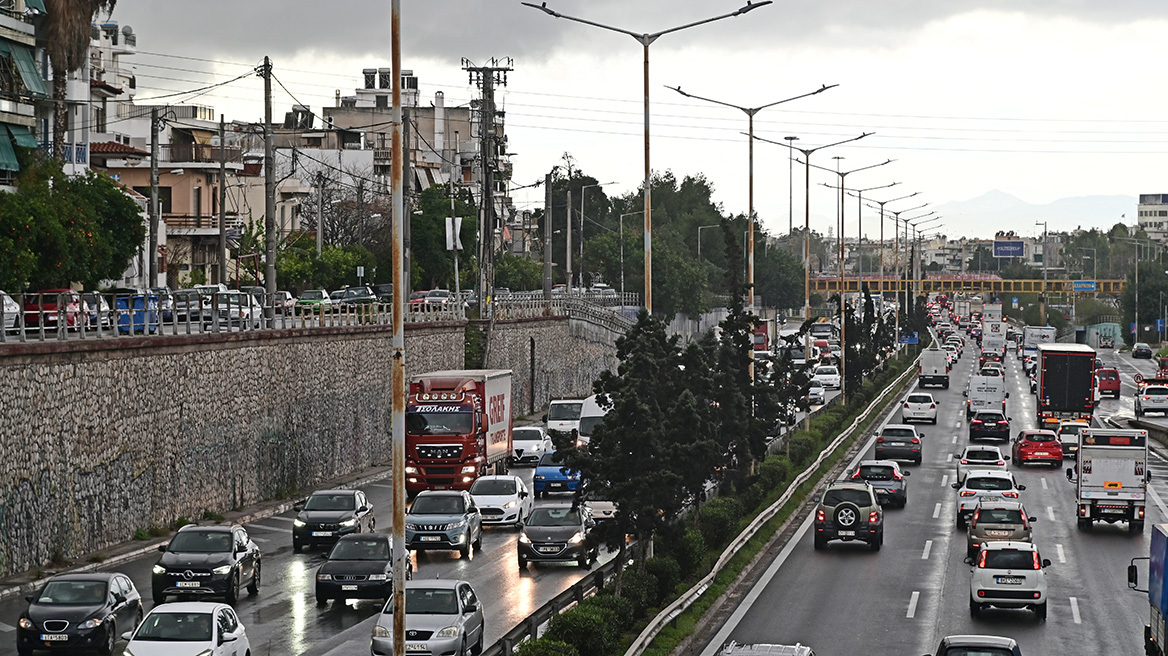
[1141, 350]
[76, 612]
[558, 534]
[359, 566]
[989, 425]
[207, 561]
[328, 514]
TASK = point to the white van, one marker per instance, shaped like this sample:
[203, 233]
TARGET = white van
[985, 393]
[934, 368]
[590, 416]
[564, 415]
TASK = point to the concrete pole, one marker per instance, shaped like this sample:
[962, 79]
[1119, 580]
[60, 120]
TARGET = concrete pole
[547, 241]
[269, 193]
[222, 200]
[152, 256]
[398, 427]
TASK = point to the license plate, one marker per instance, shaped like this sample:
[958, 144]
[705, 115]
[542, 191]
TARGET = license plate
[1042, 453]
[348, 588]
[417, 646]
[431, 538]
[896, 444]
[187, 584]
[847, 534]
[548, 549]
[55, 637]
[1113, 511]
[1009, 580]
[322, 534]
[555, 485]
[998, 534]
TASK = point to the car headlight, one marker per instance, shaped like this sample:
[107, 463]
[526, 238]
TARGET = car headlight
[448, 632]
[159, 569]
[577, 538]
[411, 470]
[224, 569]
[469, 469]
[205, 652]
[90, 623]
[524, 539]
[349, 522]
[378, 577]
[25, 623]
[324, 577]
[381, 632]
[299, 523]
[459, 524]
[411, 527]
[539, 477]
[510, 504]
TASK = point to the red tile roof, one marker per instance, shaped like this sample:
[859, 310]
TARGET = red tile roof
[115, 148]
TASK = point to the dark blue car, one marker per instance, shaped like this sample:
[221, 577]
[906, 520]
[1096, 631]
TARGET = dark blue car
[552, 476]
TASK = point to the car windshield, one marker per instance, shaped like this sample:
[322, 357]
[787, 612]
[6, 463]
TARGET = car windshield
[201, 542]
[1000, 516]
[416, 295]
[439, 423]
[1009, 559]
[989, 417]
[898, 432]
[438, 293]
[330, 502]
[1072, 430]
[365, 549]
[527, 435]
[988, 483]
[493, 486]
[876, 472]
[564, 411]
[842, 495]
[546, 516]
[550, 460]
[588, 424]
[1155, 391]
[175, 627]
[982, 455]
[1040, 437]
[826, 371]
[427, 601]
[73, 593]
[353, 292]
[920, 398]
[978, 651]
[1140, 345]
[437, 505]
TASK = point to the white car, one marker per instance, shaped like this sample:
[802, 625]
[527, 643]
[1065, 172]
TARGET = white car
[980, 457]
[919, 406]
[529, 443]
[501, 499]
[190, 628]
[984, 485]
[816, 395]
[828, 376]
[11, 311]
[1153, 398]
[1008, 575]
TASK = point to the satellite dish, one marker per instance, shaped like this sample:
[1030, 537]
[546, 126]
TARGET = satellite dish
[127, 30]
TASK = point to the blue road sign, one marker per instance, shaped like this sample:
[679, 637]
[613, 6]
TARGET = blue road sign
[1009, 248]
[1082, 285]
[909, 338]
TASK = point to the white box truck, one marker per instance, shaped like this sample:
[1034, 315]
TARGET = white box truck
[1032, 336]
[934, 368]
[992, 312]
[993, 336]
[1111, 483]
[985, 393]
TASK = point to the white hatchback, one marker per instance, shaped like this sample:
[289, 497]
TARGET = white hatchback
[980, 457]
[502, 499]
[828, 376]
[1008, 575]
[188, 629]
[919, 406]
[984, 485]
[1153, 398]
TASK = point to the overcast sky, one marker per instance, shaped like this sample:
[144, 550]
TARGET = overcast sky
[1040, 99]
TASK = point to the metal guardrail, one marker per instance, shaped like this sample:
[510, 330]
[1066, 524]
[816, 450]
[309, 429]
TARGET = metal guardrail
[687, 599]
[586, 587]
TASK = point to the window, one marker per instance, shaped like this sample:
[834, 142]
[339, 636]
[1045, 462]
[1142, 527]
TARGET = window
[163, 197]
[197, 201]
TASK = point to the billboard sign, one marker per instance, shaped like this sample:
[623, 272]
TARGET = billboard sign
[1009, 248]
[1082, 285]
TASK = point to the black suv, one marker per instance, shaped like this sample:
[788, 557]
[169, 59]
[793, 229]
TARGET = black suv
[990, 425]
[849, 511]
[326, 515]
[207, 561]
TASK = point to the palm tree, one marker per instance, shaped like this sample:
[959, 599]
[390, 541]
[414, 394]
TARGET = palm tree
[66, 36]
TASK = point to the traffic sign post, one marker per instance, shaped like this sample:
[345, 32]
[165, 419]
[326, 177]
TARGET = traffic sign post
[1082, 285]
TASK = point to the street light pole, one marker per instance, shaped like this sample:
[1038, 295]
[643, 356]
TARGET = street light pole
[1045, 257]
[646, 39]
[882, 204]
[750, 112]
[791, 192]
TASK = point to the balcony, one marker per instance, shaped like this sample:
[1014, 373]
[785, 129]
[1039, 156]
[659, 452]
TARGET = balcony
[201, 224]
[199, 153]
[73, 153]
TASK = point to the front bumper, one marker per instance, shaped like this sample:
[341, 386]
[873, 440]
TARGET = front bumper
[436, 540]
[430, 647]
[215, 585]
[354, 589]
[77, 639]
[550, 552]
[496, 516]
[320, 534]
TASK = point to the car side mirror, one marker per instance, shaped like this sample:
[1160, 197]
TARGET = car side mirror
[470, 608]
[956, 486]
[523, 494]
[544, 419]
[363, 509]
[162, 547]
[1009, 419]
[965, 393]
[1046, 562]
[1070, 474]
[298, 506]
[1007, 395]
[906, 473]
[1133, 575]
[1005, 458]
[29, 598]
[967, 560]
[130, 634]
[1032, 519]
[590, 523]
[228, 637]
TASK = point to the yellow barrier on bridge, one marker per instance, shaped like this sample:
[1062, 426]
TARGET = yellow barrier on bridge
[948, 285]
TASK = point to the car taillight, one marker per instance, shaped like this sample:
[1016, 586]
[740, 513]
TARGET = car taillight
[906, 405]
[1037, 563]
[976, 421]
[981, 560]
[968, 493]
[873, 517]
[1147, 398]
[916, 440]
[1003, 422]
[964, 461]
[976, 514]
[897, 476]
[1140, 512]
[855, 475]
[1012, 495]
[819, 516]
[879, 440]
[1001, 462]
[932, 406]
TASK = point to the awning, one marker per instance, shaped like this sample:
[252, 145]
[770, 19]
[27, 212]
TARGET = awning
[39, 5]
[7, 155]
[22, 55]
[22, 135]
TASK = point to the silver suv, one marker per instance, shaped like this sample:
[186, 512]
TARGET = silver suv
[997, 521]
[848, 510]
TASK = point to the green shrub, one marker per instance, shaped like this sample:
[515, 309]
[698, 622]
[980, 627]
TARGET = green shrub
[211, 515]
[690, 553]
[142, 534]
[803, 448]
[619, 610]
[668, 574]
[773, 472]
[718, 520]
[546, 647]
[588, 629]
[640, 588]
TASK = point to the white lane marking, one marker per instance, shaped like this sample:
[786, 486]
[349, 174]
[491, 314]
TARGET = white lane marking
[1062, 555]
[945, 480]
[1075, 610]
[1050, 513]
[912, 604]
[384, 485]
[936, 511]
[949, 458]
[278, 529]
[928, 548]
[259, 540]
[4, 628]
[282, 519]
[954, 439]
[1044, 483]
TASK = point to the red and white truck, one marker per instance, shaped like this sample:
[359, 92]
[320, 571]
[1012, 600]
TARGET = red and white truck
[458, 427]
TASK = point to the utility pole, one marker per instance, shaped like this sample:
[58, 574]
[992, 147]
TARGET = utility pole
[222, 200]
[487, 77]
[547, 240]
[407, 188]
[319, 212]
[568, 229]
[152, 256]
[269, 192]
[398, 346]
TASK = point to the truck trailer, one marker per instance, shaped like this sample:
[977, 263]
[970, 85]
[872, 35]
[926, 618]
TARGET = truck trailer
[1111, 481]
[1066, 382]
[1154, 631]
[1032, 336]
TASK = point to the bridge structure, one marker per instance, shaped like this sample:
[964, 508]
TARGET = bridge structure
[891, 285]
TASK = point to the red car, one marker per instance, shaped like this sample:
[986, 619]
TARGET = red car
[43, 308]
[1037, 446]
[1108, 382]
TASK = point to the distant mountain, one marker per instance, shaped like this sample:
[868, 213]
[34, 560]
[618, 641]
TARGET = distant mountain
[996, 210]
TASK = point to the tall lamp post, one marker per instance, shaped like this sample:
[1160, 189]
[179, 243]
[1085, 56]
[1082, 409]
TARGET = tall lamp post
[1045, 257]
[750, 112]
[882, 204]
[859, 194]
[896, 249]
[646, 39]
[791, 192]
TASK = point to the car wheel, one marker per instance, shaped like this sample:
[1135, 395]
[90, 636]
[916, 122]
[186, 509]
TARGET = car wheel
[158, 595]
[582, 561]
[253, 588]
[297, 545]
[478, 543]
[372, 524]
[464, 550]
[321, 600]
[111, 637]
[960, 521]
[1040, 612]
[974, 608]
[820, 542]
[877, 543]
[934, 421]
[232, 595]
[478, 647]
[522, 563]
[1135, 527]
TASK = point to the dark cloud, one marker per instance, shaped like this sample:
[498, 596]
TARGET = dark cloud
[478, 29]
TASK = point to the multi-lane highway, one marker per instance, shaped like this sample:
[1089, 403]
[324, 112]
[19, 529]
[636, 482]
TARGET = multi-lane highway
[284, 618]
[906, 597]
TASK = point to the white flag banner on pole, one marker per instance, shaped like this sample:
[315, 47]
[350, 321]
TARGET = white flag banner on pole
[454, 233]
